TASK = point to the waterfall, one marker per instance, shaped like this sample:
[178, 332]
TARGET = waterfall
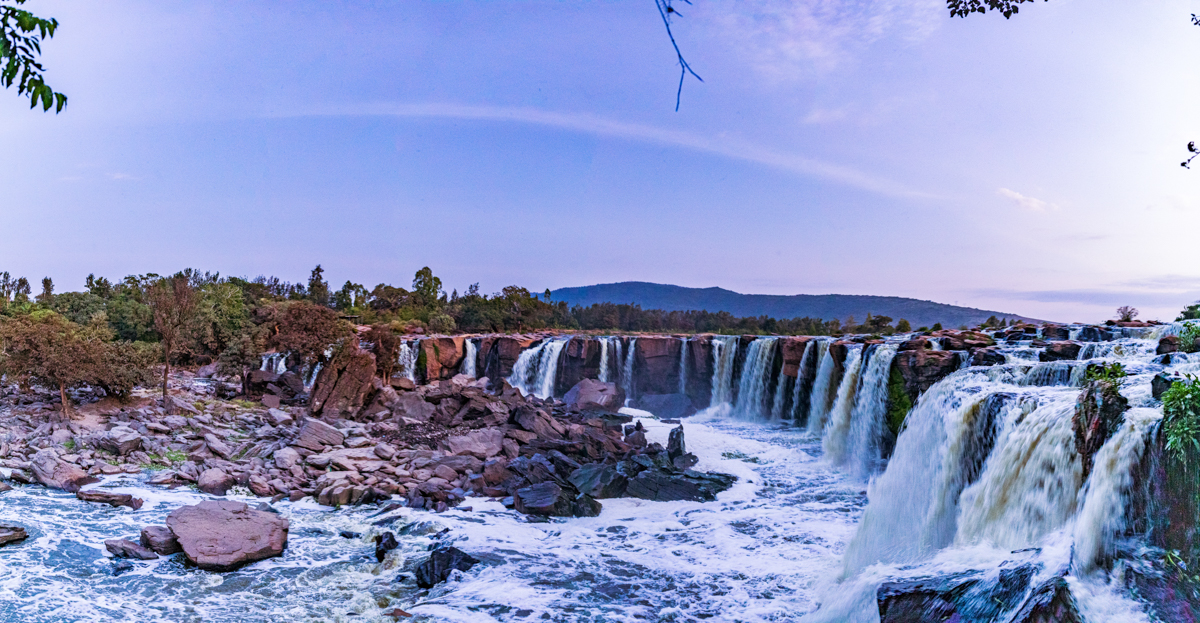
[868, 419]
[469, 355]
[804, 359]
[274, 362]
[781, 387]
[620, 348]
[627, 371]
[409, 352]
[837, 429]
[536, 368]
[1102, 510]
[822, 392]
[724, 352]
[603, 376]
[683, 359]
[756, 377]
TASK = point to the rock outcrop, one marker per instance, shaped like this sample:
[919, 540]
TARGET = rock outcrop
[12, 534]
[440, 564]
[592, 395]
[1099, 412]
[224, 535]
[55, 473]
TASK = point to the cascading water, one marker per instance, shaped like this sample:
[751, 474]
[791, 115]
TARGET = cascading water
[536, 368]
[724, 353]
[683, 367]
[823, 392]
[837, 429]
[627, 372]
[470, 352]
[809, 348]
[755, 382]
[864, 448]
[603, 375]
[274, 362]
[409, 353]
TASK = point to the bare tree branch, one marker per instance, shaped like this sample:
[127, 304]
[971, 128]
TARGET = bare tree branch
[667, 12]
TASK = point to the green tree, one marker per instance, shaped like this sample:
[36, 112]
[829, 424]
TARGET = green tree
[21, 37]
[221, 315]
[47, 295]
[243, 354]
[306, 330]
[903, 326]
[173, 302]
[318, 288]
[426, 288]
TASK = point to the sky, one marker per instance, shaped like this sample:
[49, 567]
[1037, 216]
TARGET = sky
[1029, 165]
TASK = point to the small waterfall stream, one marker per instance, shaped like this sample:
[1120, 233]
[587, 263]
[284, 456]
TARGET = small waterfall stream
[470, 352]
[536, 368]
[724, 352]
[627, 383]
[409, 352]
[683, 365]
[824, 391]
[837, 428]
[809, 348]
[754, 385]
[603, 374]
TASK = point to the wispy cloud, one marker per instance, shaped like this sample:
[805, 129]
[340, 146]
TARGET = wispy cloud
[787, 39]
[1027, 203]
[725, 146]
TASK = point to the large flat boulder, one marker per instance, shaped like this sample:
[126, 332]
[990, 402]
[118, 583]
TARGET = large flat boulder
[592, 395]
[315, 435]
[483, 443]
[12, 534]
[222, 535]
[56, 473]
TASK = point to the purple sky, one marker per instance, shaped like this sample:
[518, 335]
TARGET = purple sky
[853, 146]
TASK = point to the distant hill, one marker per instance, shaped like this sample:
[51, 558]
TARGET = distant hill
[823, 306]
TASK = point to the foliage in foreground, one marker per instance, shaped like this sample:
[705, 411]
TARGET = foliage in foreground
[1181, 419]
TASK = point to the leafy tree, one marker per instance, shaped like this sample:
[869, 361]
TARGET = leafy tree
[243, 354]
[306, 330]
[1191, 312]
[78, 307]
[45, 348]
[318, 288]
[21, 291]
[426, 288]
[47, 295]
[21, 36]
[100, 286]
[173, 302]
[1126, 313]
[903, 326]
[937, 326]
[386, 346]
[221, 315]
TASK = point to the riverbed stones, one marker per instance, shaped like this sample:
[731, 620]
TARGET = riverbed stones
[12, 534]
[550, 499]
[120, 440]
[160, 539]
[124, 548]
[222, 535]
[484, 443]
[1060, 351]
[315, 435]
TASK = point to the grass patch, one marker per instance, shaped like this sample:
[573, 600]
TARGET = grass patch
[175, 456]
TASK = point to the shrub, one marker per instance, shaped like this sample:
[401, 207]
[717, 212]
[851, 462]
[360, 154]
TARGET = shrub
[1188, 336]
[1111, 373]
[441, 323]
[1181, 419]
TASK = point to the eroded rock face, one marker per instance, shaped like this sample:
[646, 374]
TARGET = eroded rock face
[1099, 412]
[344, 384]
[443, 357]
[920, 369]
[112, 499]
[160, 539]
[55, 473]
[222, 535]
[592, 395]
[315, 435]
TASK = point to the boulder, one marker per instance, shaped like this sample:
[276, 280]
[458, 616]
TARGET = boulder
[599, 480]
[793, 349]
[1055, 332]
[990, 356]
[592, 395]
[124, 548]
[271, 401]
[412, 407]
[916, 343]
[344, 383]
[660, 485]
[207, 371]
[483, 443]
[384, 543]
[174, 405]
[214, 481]
[222, 535]
[1094, 334]
[161, 540]
[286, 457]
[1050, 602]
[549, 499]
[440, 564]
[1161, 383]
[315, 435]
[55, 473]
[969, 596]
[112, 499]
[279, 418]
[1059, 351]
[677, 452]
[1167, 345]
[12, 534]
[120, 440]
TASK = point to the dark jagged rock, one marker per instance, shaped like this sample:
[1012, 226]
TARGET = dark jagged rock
[1055, 332]
[1167, 345]
[1059, 351]
[343, 384]
[112, 499]
[1051, 602]
[1161, 383]
[549, 499]
[1166, 595]
[1099, 412]
[1094, 334]
[599, 481]
[12, 534]
[990, 356]
[969, 596]
[440, 564]
[384, 543]
[660, 485]
[58, 474]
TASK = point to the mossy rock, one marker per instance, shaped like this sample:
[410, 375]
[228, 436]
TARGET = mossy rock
[899, 402]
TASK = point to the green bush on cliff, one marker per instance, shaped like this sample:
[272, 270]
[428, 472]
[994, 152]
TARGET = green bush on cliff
[1181, 419]
[1111, 373]
[1187, 337]
[899, 402]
